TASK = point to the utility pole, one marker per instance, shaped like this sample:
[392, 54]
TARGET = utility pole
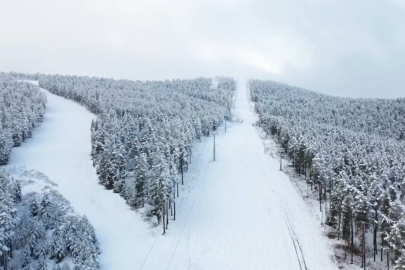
[181, 168]
[167, 214]
[214, 146]
[225, 124]
[163, 218]
[321, 212]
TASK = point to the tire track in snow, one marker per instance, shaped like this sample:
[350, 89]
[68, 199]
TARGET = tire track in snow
[294, 239]
[188, 216]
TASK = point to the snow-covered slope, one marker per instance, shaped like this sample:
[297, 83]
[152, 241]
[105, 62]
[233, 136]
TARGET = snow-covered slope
[60, 148]
[246, 214]
[239, 212]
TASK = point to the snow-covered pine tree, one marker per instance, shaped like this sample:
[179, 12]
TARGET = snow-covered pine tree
[159, 184]
[141, 179]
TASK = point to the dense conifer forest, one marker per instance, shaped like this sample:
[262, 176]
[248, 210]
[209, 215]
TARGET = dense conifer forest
[22, 106]
[41, 231]
[351, 151]
[143, 136]
[37, 230]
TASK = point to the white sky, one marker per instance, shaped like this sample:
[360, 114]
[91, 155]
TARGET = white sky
[340, 47]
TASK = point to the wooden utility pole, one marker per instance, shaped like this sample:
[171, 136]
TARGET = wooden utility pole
[214, 146]
[163, 218]
[174, 210]
[181, 169]
[167, 214]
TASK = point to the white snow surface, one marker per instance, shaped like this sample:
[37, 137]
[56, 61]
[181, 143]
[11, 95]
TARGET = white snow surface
[238, 212]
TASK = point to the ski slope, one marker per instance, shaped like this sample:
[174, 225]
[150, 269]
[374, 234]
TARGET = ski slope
[238, 212]
[246, 214]
[60, 149]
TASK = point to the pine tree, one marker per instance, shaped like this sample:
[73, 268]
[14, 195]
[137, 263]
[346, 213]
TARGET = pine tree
[58, 247]
[7, 217]
[141, 172]
[396, 239]
[6, 143]
[159, 185]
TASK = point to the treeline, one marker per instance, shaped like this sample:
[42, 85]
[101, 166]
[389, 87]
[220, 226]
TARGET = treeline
[22, 106]
[352, 150]
[142, 137]
[40, 231]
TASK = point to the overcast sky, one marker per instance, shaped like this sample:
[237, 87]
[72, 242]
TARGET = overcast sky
[347, 48]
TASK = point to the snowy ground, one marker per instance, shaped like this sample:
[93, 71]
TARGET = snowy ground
[245, 214]
[311, 198]
[238, 212]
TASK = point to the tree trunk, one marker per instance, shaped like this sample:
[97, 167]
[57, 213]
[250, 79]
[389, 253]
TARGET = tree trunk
[340, 217]
[167, 215]
[320, 196]
[214, 147]
[163, 218]
[181, 168]
[352, 229]
[363, 247]
[375, 232]
[5, 260]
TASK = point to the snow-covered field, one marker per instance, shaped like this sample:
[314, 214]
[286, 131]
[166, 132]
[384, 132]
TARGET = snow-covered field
[238, 212]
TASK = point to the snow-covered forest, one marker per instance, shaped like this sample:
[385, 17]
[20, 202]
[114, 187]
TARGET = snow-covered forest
[351, 151]
[141, 140]
[22, 106]
[37, 230]
[40, 231]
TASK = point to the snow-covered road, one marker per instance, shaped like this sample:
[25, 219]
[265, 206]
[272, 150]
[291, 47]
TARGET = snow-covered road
[239, 212]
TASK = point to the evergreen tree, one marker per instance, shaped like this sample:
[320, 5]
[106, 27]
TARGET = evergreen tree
[141, 179]
[159, 187]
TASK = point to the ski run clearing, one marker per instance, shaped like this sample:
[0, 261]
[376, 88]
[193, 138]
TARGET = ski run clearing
[238, 212]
